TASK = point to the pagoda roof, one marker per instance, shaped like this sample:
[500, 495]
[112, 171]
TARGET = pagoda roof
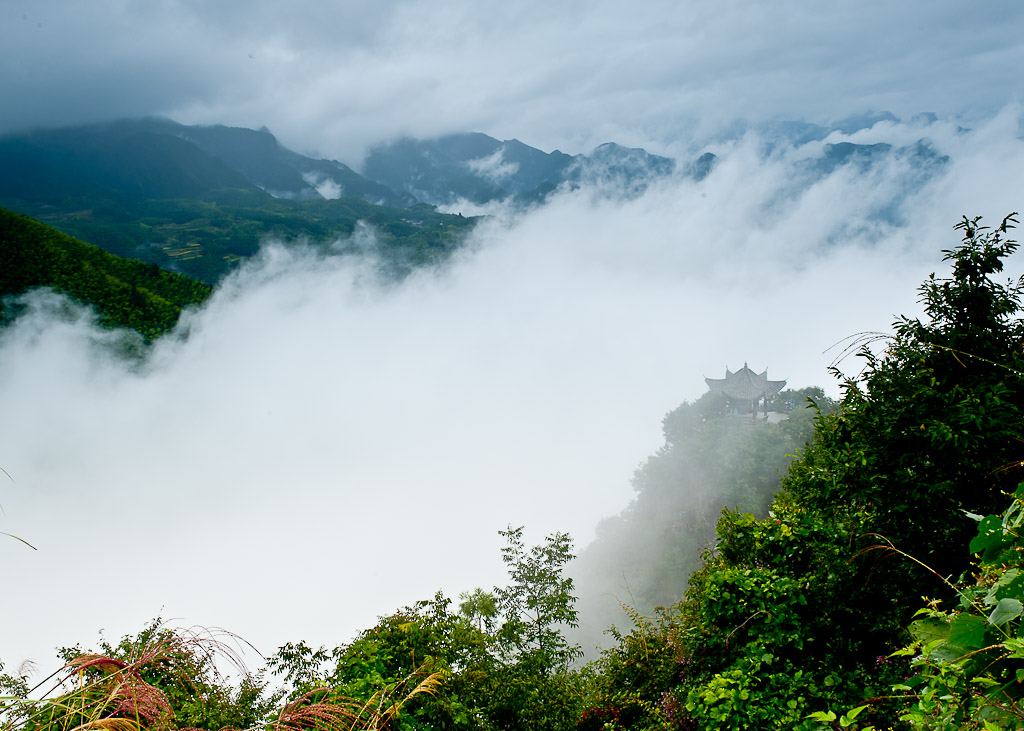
[745, 384]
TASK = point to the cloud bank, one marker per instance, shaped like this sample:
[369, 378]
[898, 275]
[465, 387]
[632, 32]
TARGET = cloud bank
[324, 447]
[333, 78]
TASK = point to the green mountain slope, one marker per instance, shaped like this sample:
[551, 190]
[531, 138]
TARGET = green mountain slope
[119, 161]
[206, 238]
[194, 200]
[159, 158]
[125, 293]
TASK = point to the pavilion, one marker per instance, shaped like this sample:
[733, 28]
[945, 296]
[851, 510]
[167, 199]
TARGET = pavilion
[747, 388]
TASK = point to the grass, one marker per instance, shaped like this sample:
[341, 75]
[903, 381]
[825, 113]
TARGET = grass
[168, 677]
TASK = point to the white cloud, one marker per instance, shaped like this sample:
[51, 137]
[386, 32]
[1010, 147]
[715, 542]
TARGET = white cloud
[327, 187]
[493, 167]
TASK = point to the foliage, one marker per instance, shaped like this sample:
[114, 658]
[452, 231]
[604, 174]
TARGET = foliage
[969, 657]
[626, 685]
[919, 438]
[529, 683]
[164, 679]
[538, 602]
[502, 656]
[480, 608]
[125, 293]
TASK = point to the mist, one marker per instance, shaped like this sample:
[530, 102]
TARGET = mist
[318, 446]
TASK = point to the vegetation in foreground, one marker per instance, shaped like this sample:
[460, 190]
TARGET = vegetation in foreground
[883, 588]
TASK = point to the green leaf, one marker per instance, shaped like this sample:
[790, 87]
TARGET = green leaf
[1005, 610]
[1010, 585]
[854, 712]
[823, 716]
[990, 535]
[968, 631]
[929, 630]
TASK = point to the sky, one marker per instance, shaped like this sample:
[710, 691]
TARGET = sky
[331, 78]
[322, 447]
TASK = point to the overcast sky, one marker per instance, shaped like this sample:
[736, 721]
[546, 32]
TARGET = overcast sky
[323, 449]
[333, 77]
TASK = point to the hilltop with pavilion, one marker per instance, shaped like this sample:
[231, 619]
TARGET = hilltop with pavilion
[744, 390]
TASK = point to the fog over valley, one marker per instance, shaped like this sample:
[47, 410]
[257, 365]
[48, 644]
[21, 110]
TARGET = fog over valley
[312, 414]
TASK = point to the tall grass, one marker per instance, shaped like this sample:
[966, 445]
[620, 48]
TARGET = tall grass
[165, 668]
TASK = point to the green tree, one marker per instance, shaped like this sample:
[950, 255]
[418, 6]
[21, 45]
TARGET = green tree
[389, 658]
[503, 658]
[539, 601]
[531, 685]
[480, 608]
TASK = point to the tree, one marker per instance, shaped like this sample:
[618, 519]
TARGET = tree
[514, 678]
[539, 601]
[529, 684]
[480, 608]
[383, 661]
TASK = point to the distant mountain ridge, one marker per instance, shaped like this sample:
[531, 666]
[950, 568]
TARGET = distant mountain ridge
[200, 199]
[159, 158]
[481, 169]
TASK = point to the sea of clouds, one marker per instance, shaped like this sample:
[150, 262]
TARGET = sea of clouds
[318, 447]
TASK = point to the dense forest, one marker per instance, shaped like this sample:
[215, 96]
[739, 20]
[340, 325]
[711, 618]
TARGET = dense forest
[206, 238]
[876, 585]
[125, 293]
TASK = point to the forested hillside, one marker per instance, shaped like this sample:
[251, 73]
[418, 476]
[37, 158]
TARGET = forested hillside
[198, 200]
[795, 618]
[711, 459]
[125, 293]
